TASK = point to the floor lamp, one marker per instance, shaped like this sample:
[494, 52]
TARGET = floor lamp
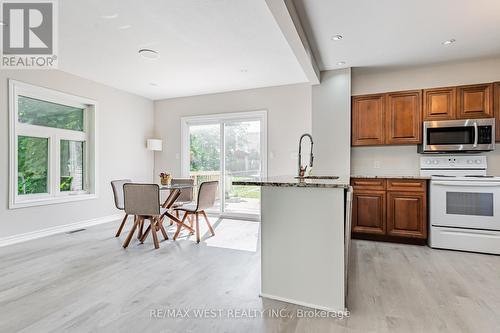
[154, 145]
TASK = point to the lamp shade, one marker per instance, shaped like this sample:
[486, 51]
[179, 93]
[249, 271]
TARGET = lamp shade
[154, 144]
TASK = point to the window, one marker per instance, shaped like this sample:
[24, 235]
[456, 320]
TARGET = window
[52, 144]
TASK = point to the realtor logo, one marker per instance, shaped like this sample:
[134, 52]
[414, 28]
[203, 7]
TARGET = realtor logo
[29, 34]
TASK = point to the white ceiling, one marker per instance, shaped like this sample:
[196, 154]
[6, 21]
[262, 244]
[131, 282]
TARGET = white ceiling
[205, 46]
[400, 32]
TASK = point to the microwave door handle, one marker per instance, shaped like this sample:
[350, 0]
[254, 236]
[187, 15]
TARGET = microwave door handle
[467, 183]
[476, 133]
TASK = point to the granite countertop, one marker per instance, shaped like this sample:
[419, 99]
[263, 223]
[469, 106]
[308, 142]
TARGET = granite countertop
[290, 181]
[391, 176]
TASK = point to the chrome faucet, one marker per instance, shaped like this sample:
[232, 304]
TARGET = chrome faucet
[302, 170]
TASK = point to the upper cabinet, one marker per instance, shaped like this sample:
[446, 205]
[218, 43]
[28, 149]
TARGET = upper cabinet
[440, 103]
[396, 117]
[497, 109]
[368, 120]
[404, 117]
[475, 101]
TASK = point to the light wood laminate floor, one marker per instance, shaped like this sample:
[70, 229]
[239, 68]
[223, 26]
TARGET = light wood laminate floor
[86, 282]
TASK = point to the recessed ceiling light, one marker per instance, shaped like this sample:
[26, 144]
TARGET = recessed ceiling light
[110, 16]
[337, 37]
[341, 63]
[124, 27]
[149, 54]
[449, 41]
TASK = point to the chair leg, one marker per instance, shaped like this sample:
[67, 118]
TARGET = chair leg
[191, 223]
[153, 232]
[208, 223]
[121, 226]
[132, 231]
[140, 230]
[145, 234]
[179, 227]
[176, 215]
[163, 231]
[197, 229]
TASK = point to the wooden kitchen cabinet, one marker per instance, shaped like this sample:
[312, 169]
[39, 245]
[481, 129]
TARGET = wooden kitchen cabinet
[368, 212]
[390, 209]
[407, 214]
[496, 100]
[368, 120]
[475, 101]
[439, 103]
[404, 117]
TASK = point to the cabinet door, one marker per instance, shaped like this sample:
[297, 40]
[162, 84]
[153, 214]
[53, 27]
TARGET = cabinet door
[368, 120]
[368, 212]
[497, 110]
[440, 103]
[407, 214]
[404, 117]
[475, 101]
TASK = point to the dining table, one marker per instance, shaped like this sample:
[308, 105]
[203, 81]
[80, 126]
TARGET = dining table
[174, 193]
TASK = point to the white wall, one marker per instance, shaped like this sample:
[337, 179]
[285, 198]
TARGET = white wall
[124, 122]
[331, 123]
[404, 159]
[289, 115]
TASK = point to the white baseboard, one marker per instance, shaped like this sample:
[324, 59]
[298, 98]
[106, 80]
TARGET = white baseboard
[57, 230]
[308, 305]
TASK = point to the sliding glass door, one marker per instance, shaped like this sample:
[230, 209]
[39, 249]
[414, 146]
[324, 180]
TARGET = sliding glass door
[226, 148]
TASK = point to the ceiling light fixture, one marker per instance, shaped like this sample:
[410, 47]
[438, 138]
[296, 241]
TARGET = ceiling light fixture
[110, 16]
[124, 27]
[341, 63]
[449, 41]
[149, 54]
[337, 37]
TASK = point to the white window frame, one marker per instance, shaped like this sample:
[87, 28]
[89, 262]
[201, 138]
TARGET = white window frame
[220, 119]
[54, 136]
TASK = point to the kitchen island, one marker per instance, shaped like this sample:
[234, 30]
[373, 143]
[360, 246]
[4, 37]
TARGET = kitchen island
[303, 240]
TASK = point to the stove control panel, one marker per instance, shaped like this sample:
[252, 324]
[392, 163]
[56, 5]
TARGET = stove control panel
[453, 162]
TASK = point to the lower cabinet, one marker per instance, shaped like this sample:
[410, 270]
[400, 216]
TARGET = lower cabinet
[369, 212]
[390, 210]
[407, 214]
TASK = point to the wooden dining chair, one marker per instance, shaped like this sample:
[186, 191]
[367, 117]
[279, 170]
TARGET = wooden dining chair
[143, 201]
[186, 196]
[117, 186]
[206, 199]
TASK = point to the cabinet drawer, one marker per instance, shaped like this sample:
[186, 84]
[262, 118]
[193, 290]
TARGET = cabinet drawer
[413, 185]
[368, 183]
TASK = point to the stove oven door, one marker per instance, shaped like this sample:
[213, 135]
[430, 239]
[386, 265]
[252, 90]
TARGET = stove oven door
[465, 204]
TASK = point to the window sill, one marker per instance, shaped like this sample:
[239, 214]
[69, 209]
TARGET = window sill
[51, 201]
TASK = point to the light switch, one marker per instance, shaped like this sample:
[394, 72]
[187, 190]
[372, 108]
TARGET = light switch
[376, 164]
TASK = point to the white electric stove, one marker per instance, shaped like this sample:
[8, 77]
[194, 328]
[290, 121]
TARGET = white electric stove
[464, 203]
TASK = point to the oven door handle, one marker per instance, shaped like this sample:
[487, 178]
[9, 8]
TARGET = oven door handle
[476, 134]
[469, 184]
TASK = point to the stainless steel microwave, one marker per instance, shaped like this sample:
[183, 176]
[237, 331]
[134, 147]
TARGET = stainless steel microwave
[467, 135]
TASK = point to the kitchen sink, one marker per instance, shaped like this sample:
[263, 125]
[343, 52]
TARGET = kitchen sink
[317, 177]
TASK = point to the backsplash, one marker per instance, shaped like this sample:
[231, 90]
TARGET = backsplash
[399, 160]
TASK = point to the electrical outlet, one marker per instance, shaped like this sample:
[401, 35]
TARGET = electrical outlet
[376, 164]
